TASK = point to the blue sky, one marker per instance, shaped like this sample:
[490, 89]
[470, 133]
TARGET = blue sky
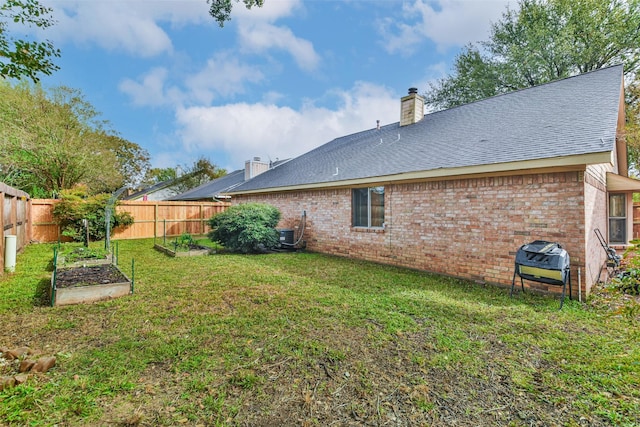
[275, 82]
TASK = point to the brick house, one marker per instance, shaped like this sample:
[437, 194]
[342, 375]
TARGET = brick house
[458, 191]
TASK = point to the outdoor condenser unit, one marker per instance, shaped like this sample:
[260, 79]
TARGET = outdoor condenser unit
[286, 238]
[544, 262]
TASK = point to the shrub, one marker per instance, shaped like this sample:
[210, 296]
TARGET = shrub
[628, 282]
[247, 228]
[75, 206]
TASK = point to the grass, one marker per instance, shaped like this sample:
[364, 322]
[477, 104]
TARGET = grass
[181, 243]
[308, 339]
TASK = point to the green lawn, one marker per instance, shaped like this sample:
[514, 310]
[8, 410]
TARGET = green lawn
[306, 339]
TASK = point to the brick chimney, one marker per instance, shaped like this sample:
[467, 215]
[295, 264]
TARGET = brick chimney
[411, 108]
[254, 168]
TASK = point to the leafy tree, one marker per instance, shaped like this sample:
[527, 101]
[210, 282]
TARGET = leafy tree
[543, 40]
[632, 128]
[77, 205]
[133, 160]
[158, 175]
[247, 228]
[53, 141]
[25, 58]
[202, 171]
[220, 10]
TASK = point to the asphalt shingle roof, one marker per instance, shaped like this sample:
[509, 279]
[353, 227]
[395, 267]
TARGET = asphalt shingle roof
[573, 116]
[213, 188]
[150, 189]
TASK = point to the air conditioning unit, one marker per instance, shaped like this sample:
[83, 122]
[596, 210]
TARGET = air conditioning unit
[286, 238]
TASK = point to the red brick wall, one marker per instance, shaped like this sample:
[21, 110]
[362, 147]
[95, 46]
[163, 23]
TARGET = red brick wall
[469, 228]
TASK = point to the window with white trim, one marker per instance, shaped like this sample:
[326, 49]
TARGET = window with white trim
[617, 218]
[367, 206]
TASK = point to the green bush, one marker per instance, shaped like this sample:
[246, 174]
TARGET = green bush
[628, 281]
[76, 206]
[247, 228]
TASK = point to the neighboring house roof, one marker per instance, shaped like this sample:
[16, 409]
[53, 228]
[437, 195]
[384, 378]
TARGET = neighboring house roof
[213, 189]
[567, 122]
[150, 190]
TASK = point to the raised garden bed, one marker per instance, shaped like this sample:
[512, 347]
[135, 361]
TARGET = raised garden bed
[83, 257]
[79, 285]
[192, 250]
[77, 280]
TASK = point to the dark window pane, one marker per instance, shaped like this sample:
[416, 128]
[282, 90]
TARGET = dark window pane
[359, 207]
[617, 230]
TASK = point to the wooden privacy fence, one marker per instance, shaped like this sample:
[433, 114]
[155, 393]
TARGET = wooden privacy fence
[151, 219]
[636, 220]
[14, 219]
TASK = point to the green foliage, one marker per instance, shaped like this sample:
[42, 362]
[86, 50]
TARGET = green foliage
[79, 253]
[76, 206]
[220, 10]
[202, 171]
[543, 40]
[20, 57]
[183, 242]
[158, 175]
[247, 228]
[628, 281]
[51, 141]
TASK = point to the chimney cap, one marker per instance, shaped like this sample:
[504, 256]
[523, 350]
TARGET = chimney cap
[413, 90]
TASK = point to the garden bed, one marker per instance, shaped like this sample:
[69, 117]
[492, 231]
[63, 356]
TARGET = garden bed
[83, 257]
[192, 250]
[77, 285]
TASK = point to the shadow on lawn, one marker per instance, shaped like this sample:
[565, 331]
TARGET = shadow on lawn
[41, 295]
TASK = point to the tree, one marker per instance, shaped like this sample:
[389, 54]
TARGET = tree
[543, 40]
[53, 141]
[632, 127]
[77, 205]
[133, 160]
[200, 172]
[25, 58]
[220, 10]
[158, 175]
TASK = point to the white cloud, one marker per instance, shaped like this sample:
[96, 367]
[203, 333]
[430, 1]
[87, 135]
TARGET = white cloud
[269, 12]
[262, 37]
[448, 23]
[132, 27]
[224, 75]
[246, 130]
[150, 91]
[258, 34]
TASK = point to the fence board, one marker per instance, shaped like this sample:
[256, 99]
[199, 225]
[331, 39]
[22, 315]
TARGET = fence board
[151, 218]
[636, 220]
[14, 219]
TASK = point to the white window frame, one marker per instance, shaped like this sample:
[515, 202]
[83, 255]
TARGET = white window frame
[615, 220]
[354, 208]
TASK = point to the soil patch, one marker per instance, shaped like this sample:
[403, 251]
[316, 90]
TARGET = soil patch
[91, 275]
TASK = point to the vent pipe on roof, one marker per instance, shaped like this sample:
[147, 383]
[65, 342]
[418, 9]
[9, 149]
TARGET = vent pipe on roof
[411, 108]
[377, 124]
